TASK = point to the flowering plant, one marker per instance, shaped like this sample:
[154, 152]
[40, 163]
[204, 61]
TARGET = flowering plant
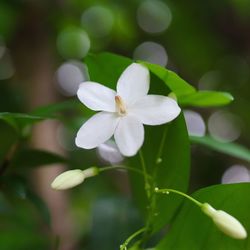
[157, 164]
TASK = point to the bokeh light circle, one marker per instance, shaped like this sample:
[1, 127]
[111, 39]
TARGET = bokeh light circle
[151, 52]
[236, 174]
[154, 16]
[69, 75]
[98, 21]
[195, 123]
[73, 43]
[224, 126]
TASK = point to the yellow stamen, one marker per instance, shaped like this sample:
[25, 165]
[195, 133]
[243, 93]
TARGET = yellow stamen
[121, 108]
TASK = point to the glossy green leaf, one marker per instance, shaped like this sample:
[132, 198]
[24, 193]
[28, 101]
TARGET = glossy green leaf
[34, 158]
[168, 165]
[206, 99]
[232, 149]
[106, 68]
[193, 230]
[172, 80]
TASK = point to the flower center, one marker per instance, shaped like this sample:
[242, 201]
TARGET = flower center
[120, 105]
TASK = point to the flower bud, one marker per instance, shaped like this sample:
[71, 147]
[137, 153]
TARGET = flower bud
[68, 179]
[225, 222]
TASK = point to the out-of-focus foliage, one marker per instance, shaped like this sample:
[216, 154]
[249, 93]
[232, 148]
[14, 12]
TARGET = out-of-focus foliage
[205, 43]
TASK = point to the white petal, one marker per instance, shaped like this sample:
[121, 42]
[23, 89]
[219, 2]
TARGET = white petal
[129, 135]
[133, 83]
[98, 129]
[155, 109]
[96, 96]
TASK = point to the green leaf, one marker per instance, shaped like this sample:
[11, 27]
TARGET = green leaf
[119, 219]
[230, 148]
[16, 187]
[19, 119]
[206, 99]
[172, 169]
[172, 80]
[52, 110]
[34, 158]
[8, 137]
[106, 68]
[193, 230]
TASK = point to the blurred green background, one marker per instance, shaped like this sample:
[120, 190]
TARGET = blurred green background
[42, 49]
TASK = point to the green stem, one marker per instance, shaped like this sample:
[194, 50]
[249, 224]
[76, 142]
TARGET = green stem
[162, 143]
[167, 191]
[144, 170]
[127, 241]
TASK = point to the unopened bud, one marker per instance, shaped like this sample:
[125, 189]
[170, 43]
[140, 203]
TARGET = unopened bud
[68, 179]
[225, 222]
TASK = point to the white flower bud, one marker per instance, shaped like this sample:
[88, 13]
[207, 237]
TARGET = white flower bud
[68, 179]
[225, 222]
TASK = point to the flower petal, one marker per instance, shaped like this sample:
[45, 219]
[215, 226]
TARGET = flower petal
[133, 83]
[97, 97]
[129, 135]
[98, 129]
[155, 109]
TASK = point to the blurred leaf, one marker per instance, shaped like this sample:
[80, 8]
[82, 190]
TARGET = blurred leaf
[40, 205]
[172, 80]
[119, 219]
[20, 226]
[17, 120]
[193, 230]
[8, 138]
[52, 110]
[172, 169]
[106, 68]
[8, 17]
[228, 148]
[206, 99]
[35, 158]
[17, 187]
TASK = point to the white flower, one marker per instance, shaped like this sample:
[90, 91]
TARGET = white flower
[123, 112]
[72, 178]
[225, 222]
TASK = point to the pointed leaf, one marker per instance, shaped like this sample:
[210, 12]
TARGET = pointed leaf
[171, 79]
[169, 166]
[232, 149]
[206, 99]
[192, 229]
